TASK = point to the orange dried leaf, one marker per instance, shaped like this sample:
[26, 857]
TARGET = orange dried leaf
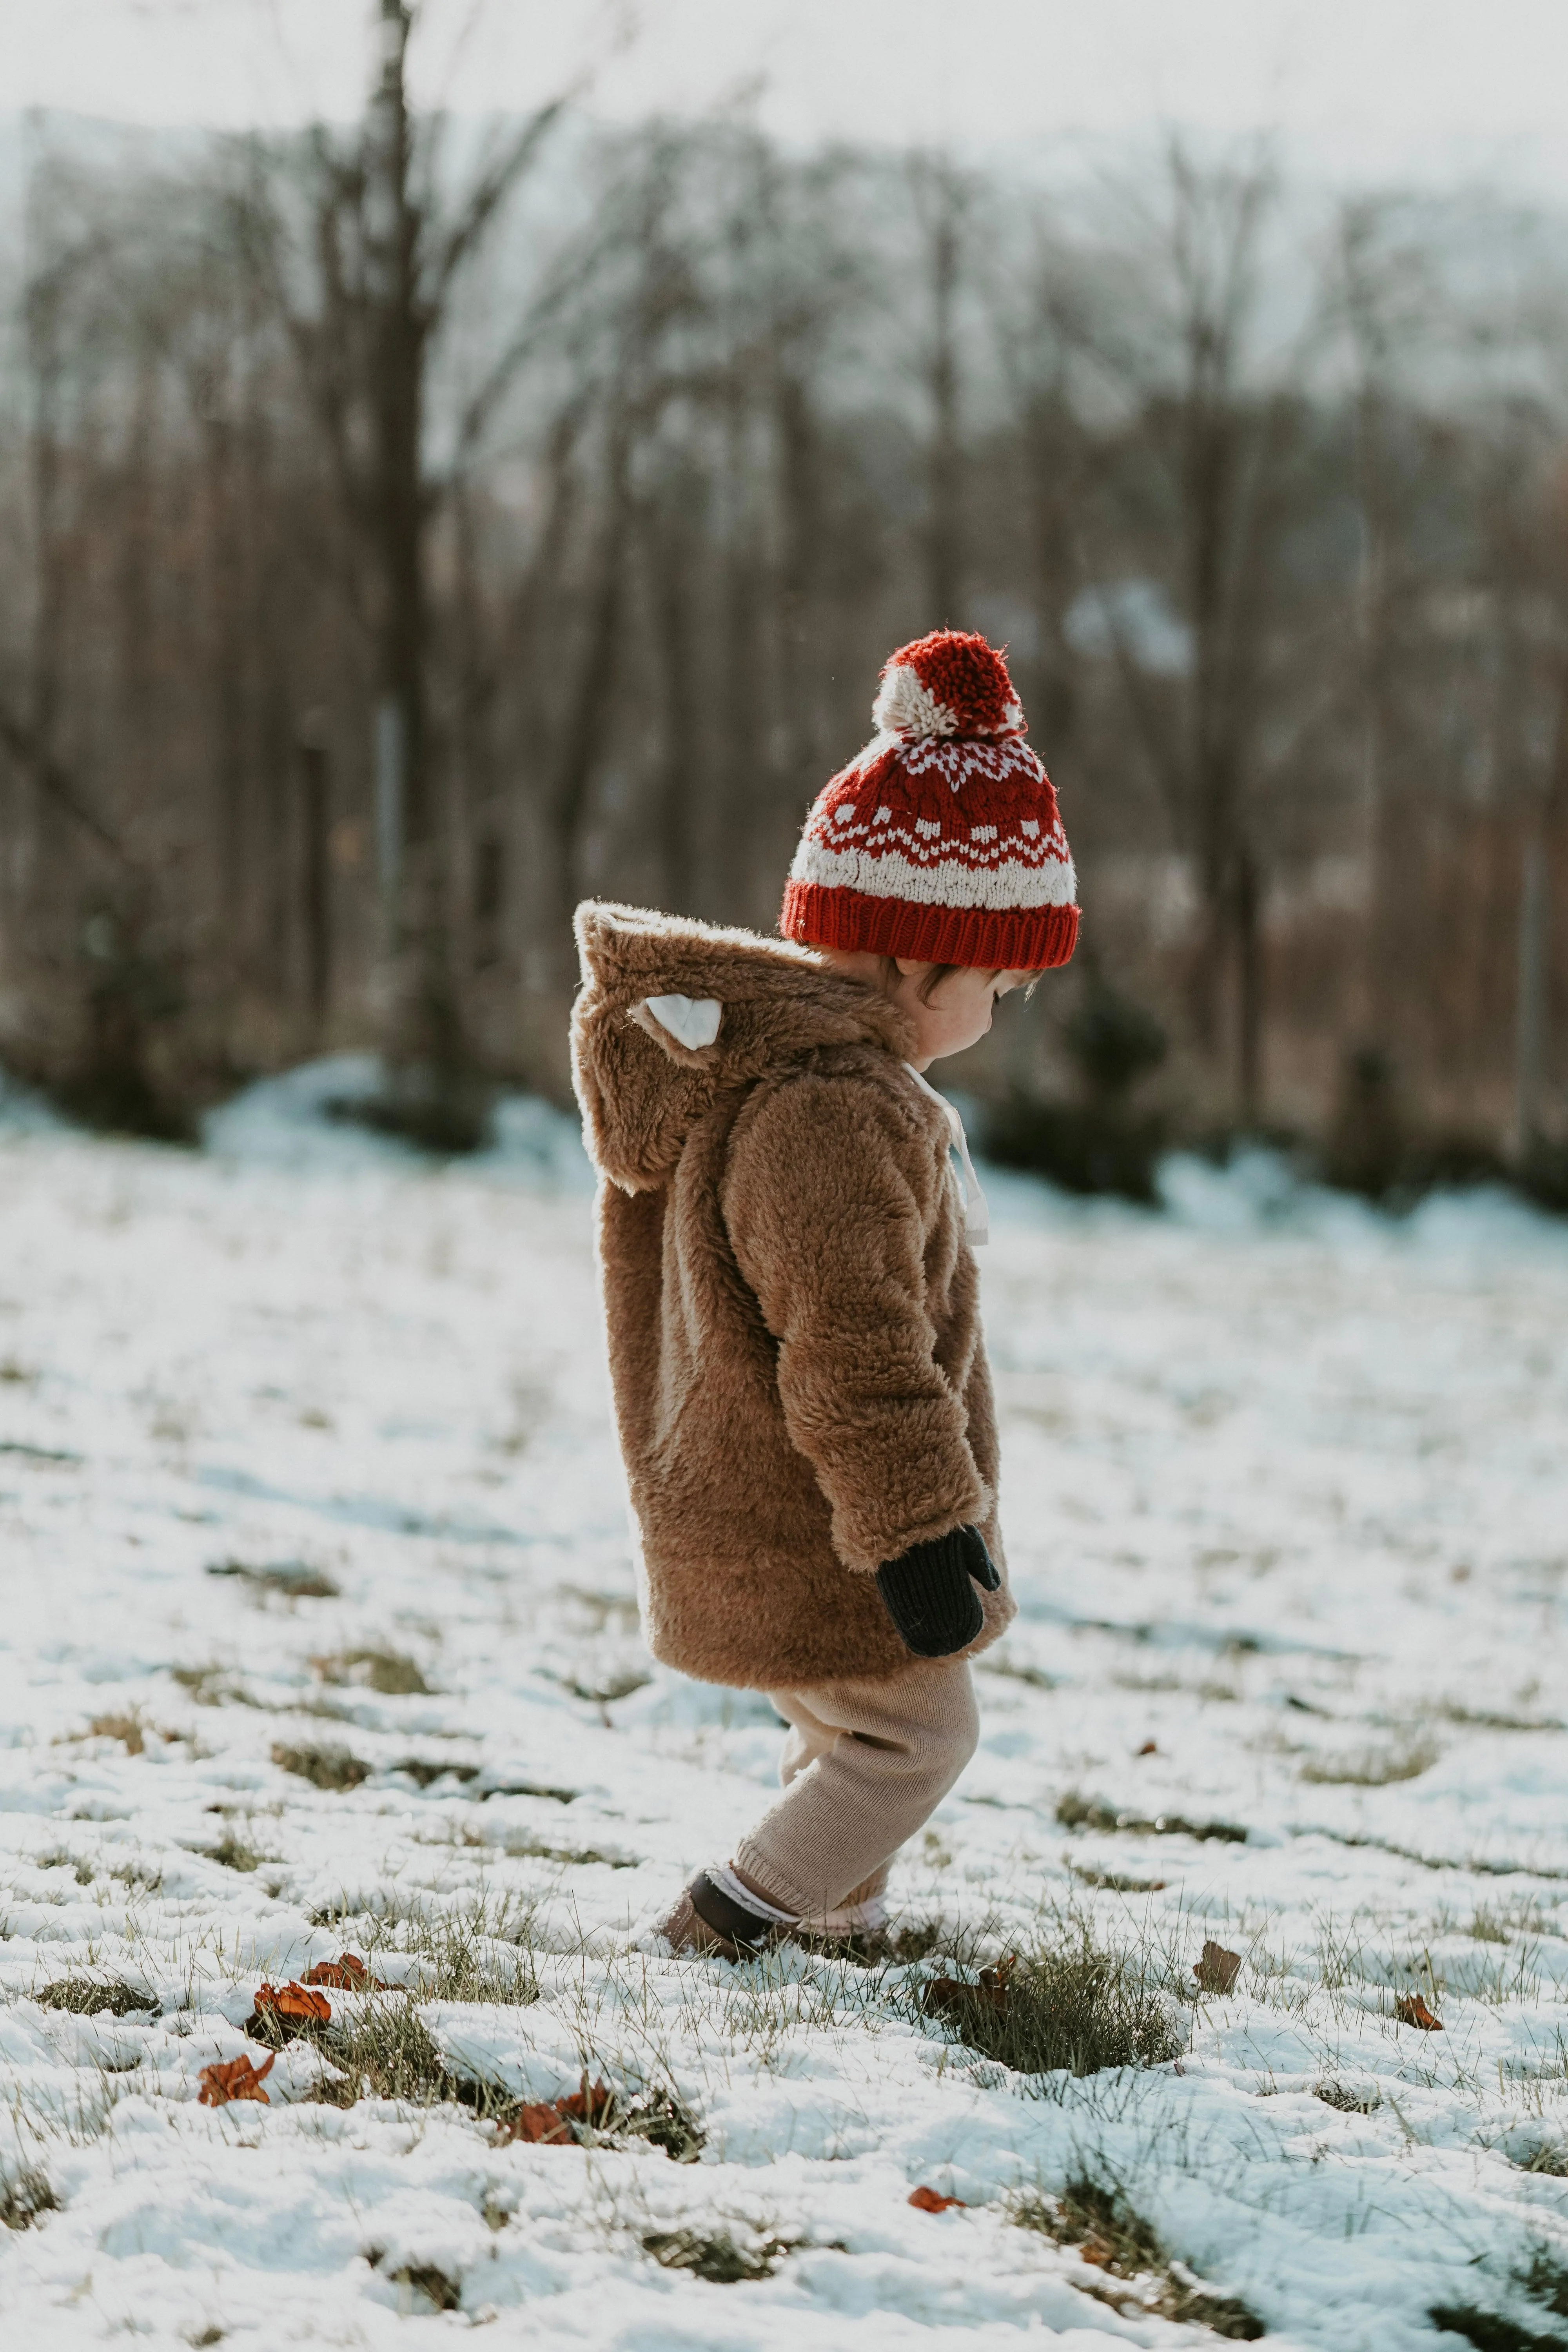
[293, 2001]
[234, 2078]
[587, 2106]
[1216, 1970]
[548, 2122]
[538, 2120]
[347, 1973]
[953, 1996]
[927, 2201]
[1411, 2010]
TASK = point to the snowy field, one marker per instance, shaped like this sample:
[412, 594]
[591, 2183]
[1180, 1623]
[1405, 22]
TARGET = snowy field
[306, 1478]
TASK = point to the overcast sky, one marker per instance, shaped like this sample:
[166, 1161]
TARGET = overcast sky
[1357, 88]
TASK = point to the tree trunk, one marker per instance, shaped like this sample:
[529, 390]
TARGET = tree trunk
[589, 712]
[425, 1045]
[1250, 1000]
[316, 903]
[680, 764]
[1529, 1046]
[944, 553]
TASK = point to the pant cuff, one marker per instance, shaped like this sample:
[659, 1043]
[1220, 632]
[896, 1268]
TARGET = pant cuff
[866, 1892]
[752, 1863]
[749, 1859]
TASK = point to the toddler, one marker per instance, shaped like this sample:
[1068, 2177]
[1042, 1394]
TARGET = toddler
[800, 1381]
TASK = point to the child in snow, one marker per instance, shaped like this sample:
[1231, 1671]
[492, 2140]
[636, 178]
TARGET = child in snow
[800, 1381]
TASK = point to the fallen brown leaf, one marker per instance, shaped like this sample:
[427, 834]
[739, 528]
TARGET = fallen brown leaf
[927, 2201]
[1411, 2010]
[1216, 1970]
[957, 1996]
[293, 2001]
[234, 2078]
[587, 2106]
[1150, 1747]
[347, 1973]
[548, 2122]
[538, 2120]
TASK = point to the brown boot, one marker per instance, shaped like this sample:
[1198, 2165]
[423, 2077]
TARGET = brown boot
[703, 1923]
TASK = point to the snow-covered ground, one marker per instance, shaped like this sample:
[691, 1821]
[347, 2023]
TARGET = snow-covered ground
[1285, 1497]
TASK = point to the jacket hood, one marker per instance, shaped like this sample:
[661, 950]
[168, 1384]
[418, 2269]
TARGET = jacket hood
[671, 1011]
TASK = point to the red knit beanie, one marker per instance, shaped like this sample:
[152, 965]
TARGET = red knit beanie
[940, 841]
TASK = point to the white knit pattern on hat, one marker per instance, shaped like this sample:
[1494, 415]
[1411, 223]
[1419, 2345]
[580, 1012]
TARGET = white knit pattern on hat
[853, 840]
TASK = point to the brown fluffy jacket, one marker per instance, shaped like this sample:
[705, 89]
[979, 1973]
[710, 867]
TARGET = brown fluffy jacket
[800, 1381]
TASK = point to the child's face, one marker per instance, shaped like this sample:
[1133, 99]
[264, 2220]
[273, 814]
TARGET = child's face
[957, 1012]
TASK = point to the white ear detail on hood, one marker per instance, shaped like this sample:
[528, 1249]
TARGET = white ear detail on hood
[692, 1021]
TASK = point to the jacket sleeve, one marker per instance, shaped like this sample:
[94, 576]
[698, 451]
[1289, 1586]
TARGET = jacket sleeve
[829, 1198]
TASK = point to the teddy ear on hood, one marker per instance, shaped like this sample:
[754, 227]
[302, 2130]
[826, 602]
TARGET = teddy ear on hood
[692, 1021]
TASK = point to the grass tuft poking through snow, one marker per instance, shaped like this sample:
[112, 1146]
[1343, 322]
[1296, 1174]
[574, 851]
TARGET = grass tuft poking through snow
[1075, 1812]
[1488, 2331]
[387, 1671]
[1062, 2005]
[425, 2288]
[235, 1852]
[1372, 1768]
[291, 1579]
[1105, 2233]
[24, 2196]
[327, 1768]
[87, 1997]
[718, 2255]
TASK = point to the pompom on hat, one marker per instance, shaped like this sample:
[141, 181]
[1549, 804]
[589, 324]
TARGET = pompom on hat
[941, 840]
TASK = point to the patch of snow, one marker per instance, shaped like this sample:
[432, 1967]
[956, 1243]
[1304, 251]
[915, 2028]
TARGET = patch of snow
[289, 1122]
[23, 1112]
[1283, 1492]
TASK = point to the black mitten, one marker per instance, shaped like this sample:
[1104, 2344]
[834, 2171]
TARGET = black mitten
[929, 1593]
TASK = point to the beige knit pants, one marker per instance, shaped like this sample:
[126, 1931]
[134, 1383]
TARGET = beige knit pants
[865, 1763]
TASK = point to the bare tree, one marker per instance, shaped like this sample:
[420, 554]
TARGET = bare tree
[332, 492]
[1207, 441]
[368, 300]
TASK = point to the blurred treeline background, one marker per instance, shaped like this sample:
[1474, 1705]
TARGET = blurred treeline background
[409, 529]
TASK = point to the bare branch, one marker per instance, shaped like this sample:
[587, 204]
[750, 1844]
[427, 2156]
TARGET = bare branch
[485, 200]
